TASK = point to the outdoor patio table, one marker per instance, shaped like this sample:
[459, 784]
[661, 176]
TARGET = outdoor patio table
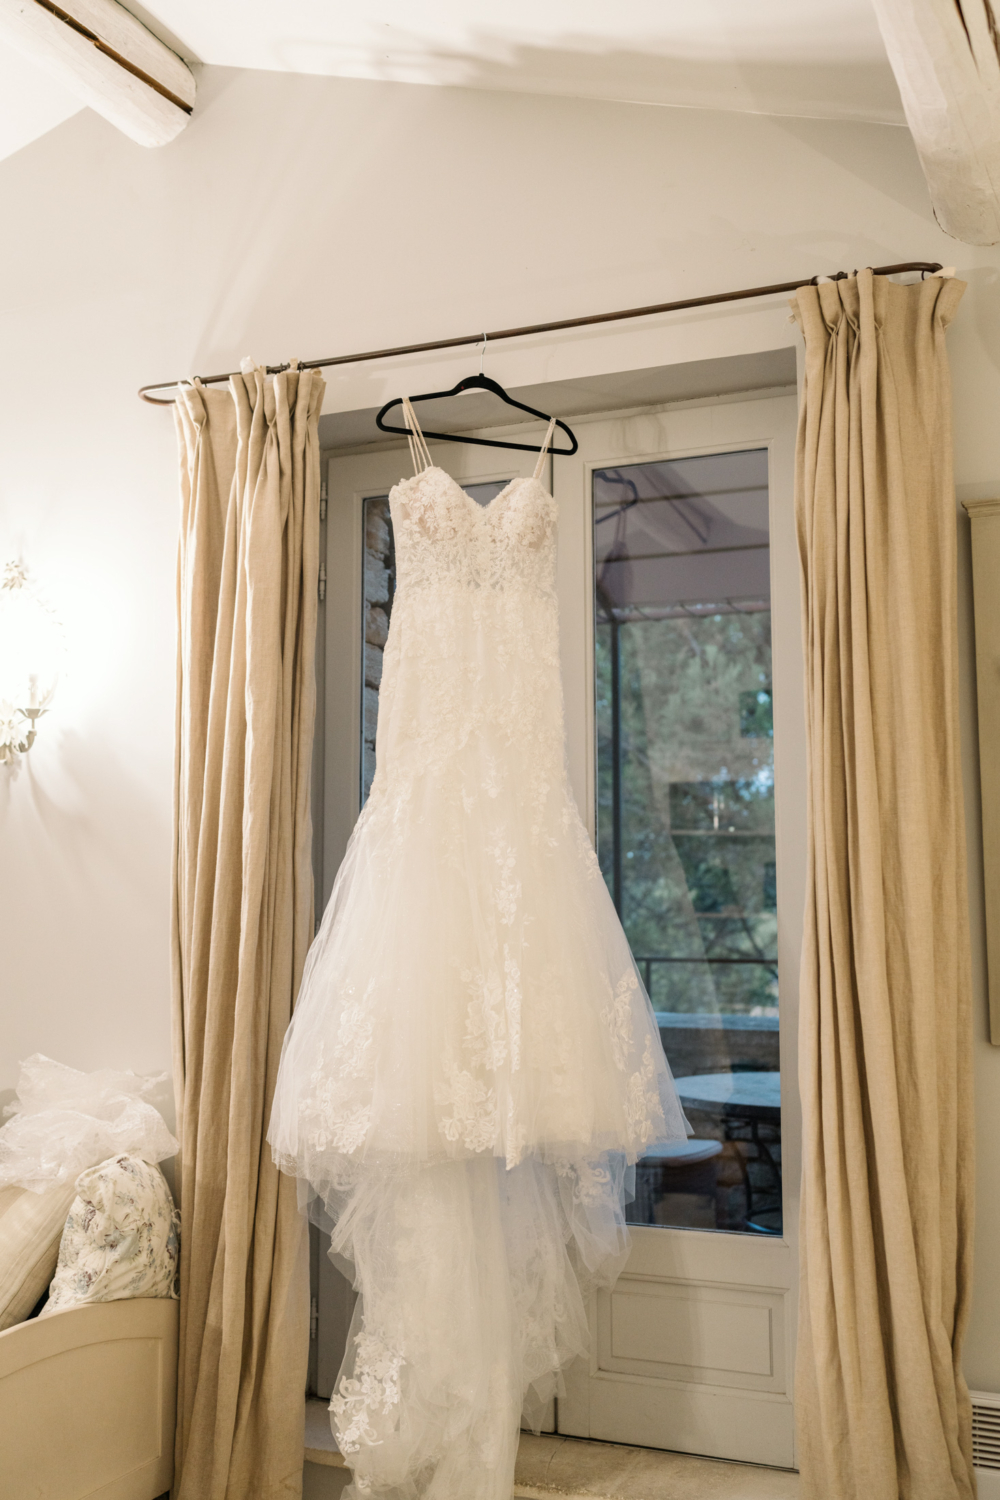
[750, 1095]
[746, 1099]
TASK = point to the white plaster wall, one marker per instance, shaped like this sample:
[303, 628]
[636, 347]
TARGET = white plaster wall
[302, 216]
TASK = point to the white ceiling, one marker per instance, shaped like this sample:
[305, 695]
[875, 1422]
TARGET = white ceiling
[30, 102]
[820, 58]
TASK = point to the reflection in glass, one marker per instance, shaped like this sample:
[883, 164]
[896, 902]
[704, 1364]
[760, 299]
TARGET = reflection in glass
[378, 591]
[685, 771]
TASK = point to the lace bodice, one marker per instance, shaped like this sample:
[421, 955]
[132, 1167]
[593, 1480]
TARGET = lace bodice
[473, 651]
[445, 540]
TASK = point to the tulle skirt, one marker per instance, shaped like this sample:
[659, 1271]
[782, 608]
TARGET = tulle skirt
[472, 1069]
[473, 1292]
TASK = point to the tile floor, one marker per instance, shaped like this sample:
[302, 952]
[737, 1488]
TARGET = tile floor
[568, 1467]
[560, 1468]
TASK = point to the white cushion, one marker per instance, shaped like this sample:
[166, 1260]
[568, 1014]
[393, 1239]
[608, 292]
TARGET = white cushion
[120, 1238]
[31, 1226]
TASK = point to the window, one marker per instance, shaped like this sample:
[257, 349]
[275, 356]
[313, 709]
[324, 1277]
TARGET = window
[685, 798]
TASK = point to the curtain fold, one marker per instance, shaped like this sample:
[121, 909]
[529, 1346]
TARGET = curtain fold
[242, 918]
[885, 1040]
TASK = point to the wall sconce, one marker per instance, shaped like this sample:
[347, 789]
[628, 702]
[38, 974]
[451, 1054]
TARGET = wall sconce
[31, 650]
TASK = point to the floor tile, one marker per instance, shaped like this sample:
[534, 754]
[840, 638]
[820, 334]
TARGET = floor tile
[548, 1467]
[321, 1445]
[561, 1468]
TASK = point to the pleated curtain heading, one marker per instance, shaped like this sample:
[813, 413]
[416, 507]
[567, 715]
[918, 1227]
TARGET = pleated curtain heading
[886, 1234]
[243, 918]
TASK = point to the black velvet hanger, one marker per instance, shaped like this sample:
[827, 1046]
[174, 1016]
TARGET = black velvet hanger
[478, 383]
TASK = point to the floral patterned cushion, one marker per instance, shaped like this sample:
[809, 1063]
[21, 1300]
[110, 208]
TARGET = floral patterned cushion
[120, 1238]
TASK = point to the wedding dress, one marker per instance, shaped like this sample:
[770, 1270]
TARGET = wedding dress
[473, 1063]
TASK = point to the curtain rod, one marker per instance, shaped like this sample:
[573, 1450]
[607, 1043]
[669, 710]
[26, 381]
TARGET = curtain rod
[513, 333]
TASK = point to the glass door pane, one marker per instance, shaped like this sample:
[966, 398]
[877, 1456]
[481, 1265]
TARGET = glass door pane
[685, 826]
[378, 590]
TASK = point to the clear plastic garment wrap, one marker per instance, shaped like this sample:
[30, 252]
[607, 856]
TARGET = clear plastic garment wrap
[63, 1121]
[473, 1064]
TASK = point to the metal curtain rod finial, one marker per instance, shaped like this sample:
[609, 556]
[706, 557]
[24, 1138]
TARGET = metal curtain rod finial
[531, 328]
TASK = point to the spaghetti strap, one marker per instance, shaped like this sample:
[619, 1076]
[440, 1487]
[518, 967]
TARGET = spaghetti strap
[419, 451]
[542, 455]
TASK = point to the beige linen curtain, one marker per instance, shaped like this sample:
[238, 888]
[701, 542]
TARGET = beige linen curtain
[882, 1409]
[243, 919]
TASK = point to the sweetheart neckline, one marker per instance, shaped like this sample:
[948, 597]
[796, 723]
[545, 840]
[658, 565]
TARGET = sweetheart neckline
[479, 509]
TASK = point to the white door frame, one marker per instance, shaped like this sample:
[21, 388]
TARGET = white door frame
[738, 1406]
[752, 1406]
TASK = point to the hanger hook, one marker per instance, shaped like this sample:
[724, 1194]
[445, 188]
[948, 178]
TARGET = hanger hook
[482, 353]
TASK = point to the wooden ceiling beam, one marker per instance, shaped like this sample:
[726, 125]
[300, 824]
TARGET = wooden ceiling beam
[98, 49]
[946, 58]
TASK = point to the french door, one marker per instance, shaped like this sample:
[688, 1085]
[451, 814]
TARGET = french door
[680, 615]
[678, 593]
[358, 585]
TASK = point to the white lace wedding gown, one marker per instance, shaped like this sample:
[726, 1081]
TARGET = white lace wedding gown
[473, 1062]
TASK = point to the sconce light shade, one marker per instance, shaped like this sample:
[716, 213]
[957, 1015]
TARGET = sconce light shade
[31, 654]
